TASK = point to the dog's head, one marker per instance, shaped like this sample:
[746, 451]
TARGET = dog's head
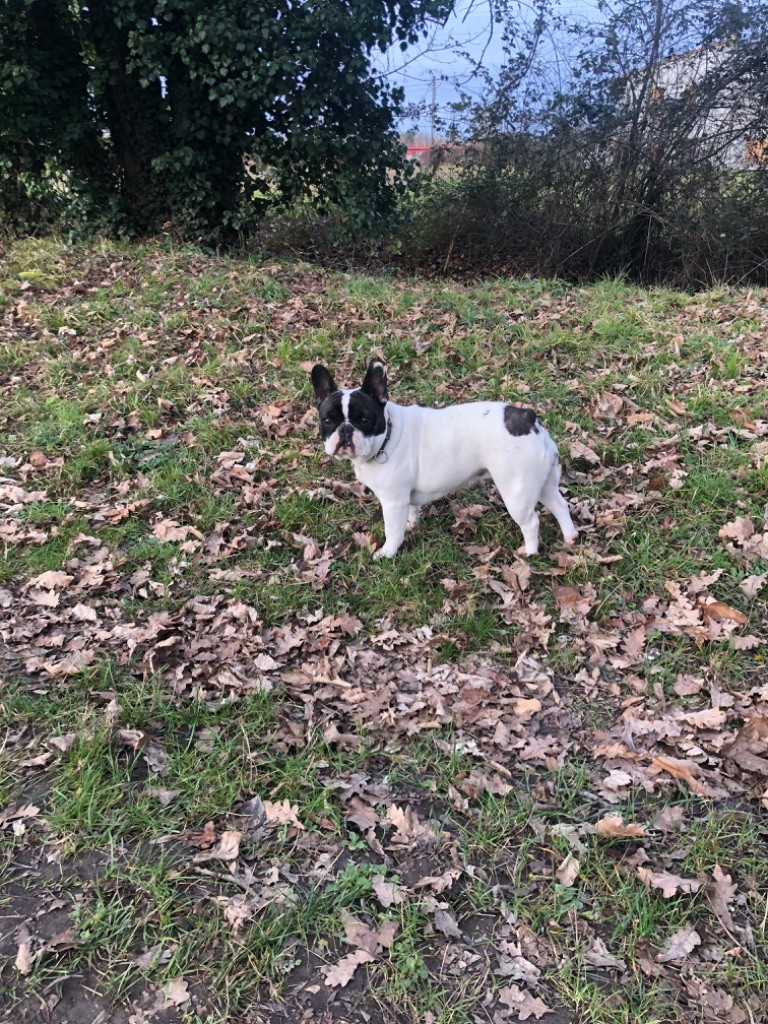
[352, 420]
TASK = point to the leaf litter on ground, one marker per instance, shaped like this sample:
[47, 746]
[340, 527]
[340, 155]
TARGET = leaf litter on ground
[194, 613]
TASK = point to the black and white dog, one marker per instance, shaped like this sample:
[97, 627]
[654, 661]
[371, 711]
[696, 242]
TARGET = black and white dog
[409, 456]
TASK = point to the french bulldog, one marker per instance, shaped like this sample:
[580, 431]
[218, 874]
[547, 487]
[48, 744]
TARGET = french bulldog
[409, 455]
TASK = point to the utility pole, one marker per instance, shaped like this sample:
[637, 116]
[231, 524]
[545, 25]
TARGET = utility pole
[434, 109]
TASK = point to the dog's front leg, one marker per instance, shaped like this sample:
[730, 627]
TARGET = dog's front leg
[395, 519]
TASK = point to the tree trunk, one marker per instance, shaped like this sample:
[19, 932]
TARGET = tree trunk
[137, 118]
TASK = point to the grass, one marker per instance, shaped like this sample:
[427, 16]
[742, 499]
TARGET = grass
[136, 392]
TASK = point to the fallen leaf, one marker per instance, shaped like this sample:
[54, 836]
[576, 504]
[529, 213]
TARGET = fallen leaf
[409, 828]
[721, 612]
[169, 531]
[24, 953]
[740, 530]
[688, 686]
[388, 893]
[283, 812]
[522, 1003]
[668, 819]
[54, 579]
[749, 747]
[669, 884]
[578, 450]
[720, 891]
[613, 785]
[204, 838]
[227, 848]
[342, 973]
[752, 585]
[175, 993]
[679, 945]
[598, 956]
[446, 923]
[361, 814]
[682, 770]
[439, 883]
[614, 827]
[165, 796]
[568, 871]
[264, 663]
[364, 937]
[66, 939]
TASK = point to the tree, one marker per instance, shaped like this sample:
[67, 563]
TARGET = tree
[167, 101]
[633, 139]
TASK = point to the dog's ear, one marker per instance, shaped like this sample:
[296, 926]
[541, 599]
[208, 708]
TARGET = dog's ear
[322, 382]
[375, 383]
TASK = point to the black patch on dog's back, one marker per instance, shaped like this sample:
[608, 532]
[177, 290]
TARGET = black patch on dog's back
[519, 421]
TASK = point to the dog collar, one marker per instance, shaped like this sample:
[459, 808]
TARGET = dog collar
[378, 456]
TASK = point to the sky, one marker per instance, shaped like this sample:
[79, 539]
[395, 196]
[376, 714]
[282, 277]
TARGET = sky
[439, 58]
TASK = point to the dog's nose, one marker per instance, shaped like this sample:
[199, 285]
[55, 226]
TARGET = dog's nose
[345, 433]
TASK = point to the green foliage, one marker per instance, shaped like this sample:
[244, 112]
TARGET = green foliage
[196, 113]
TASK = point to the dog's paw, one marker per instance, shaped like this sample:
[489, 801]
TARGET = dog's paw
[384, 552]
[571, 538]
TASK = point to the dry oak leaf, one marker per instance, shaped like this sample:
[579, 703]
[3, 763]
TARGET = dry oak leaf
[688, 686]
[750, 744]
[720, 891]
[679, 946]
[203, 838]
[740, 530]
[44, 598]
[669, 884]
[24, 956]
[387, 893]
[598, 955]
[522, 1004]
[752, 585]
[578, 450]
[683, 770]
[613, 826]
[227, 848]
[25, 811]
[361, 814]
[612, 786]
[342, 973]
[439, 883]
[265, 663]
[170, 531]
[51, 580]
[568, 871]
[364, 937]
[282, 812]
[524, 707]
[70, 664]
[718, 611]
[707, 718]
[572, 601]
[409, 828]
[446, 923]
[174, 993]
[668, 819]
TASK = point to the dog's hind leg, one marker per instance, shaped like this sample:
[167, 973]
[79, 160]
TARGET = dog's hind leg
[552, 499]
[523, 511]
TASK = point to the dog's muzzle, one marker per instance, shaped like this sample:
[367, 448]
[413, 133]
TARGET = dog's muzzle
[346, 430]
